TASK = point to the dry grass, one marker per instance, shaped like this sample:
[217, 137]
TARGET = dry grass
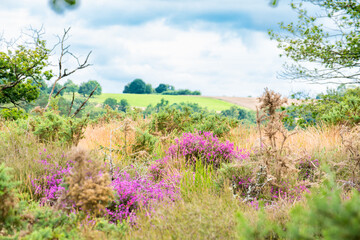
[243, 136]
[204, 215]
[21, 151]
[313, 140]
[123, 138]
[316, 139]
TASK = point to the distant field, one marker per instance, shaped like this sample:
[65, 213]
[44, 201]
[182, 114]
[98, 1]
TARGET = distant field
[143, 100]
[250, 102]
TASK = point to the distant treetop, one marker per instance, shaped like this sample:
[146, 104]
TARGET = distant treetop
[138, 86]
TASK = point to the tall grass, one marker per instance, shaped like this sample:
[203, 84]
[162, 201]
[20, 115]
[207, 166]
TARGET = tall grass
[196, 179]
[204, 215]
[21, 151]
[204, 210]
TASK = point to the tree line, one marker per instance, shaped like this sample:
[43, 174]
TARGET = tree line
[138, 86]
[84, 89]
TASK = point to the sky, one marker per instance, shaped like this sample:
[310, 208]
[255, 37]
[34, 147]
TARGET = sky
[220, 47]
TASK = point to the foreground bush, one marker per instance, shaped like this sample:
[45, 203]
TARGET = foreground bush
[82, 185]
[324, 215]
[170, 120]
[134, 193]
[8, 207]
[51, 127]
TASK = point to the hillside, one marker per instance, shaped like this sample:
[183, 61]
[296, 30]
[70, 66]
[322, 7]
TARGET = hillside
[143, 100]
[246, 102]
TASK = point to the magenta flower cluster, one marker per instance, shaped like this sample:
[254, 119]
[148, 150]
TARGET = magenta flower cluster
[205, 146]
[49, 186]
[307, 168]
[288, 191]
[131, 193]
[241, 184]
[140, 191]
[157, 170]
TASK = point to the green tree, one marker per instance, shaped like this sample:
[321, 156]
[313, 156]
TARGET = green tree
[137, 86]
[111, 102]
[61, 5]
[328, 40]
[57, 88]
[71, 87]
[124, 105]
[22, 71]
[87, 87]
[148, 89]
[164, 87]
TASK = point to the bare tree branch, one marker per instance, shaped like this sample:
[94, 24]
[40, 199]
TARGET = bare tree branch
[72, 103]
[59, 91]
[64, 50]
[78, 110]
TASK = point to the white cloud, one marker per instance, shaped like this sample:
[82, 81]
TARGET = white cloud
[216, 61]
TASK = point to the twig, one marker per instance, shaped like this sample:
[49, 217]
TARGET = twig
[59, 91]
[64, 73]
[72, 103]
[79, 109]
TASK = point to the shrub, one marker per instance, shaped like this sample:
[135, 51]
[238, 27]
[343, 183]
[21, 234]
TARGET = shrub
[124, 105]
[144, 141]
[240, 114]
[87, 185]
[139, 192]
[9, 218]
[111, 231]
[48, 187]
[324, 215]
[45, 223]
[238, 176]
[206, 147]
[84, 185]
[53, 127]
[308, 168]
[175, 120]
[334, 107]
[217, 124]
[111, 102]
[13, 114]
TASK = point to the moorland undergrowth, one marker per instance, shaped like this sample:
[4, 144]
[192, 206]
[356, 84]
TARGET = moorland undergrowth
[126, 179]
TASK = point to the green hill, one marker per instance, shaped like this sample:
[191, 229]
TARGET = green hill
[143, 100]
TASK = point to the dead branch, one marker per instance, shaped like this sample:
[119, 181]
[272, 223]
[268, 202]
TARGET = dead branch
[64, 52]
[59, 91]
[72, 103]
[79, 109]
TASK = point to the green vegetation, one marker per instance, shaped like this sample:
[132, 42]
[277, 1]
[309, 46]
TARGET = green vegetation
[22, 71]
[144, 100]
[328, 38]
[339, 106]
[87, 87]
[138, 86]
[323, 215]
[179, 170]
